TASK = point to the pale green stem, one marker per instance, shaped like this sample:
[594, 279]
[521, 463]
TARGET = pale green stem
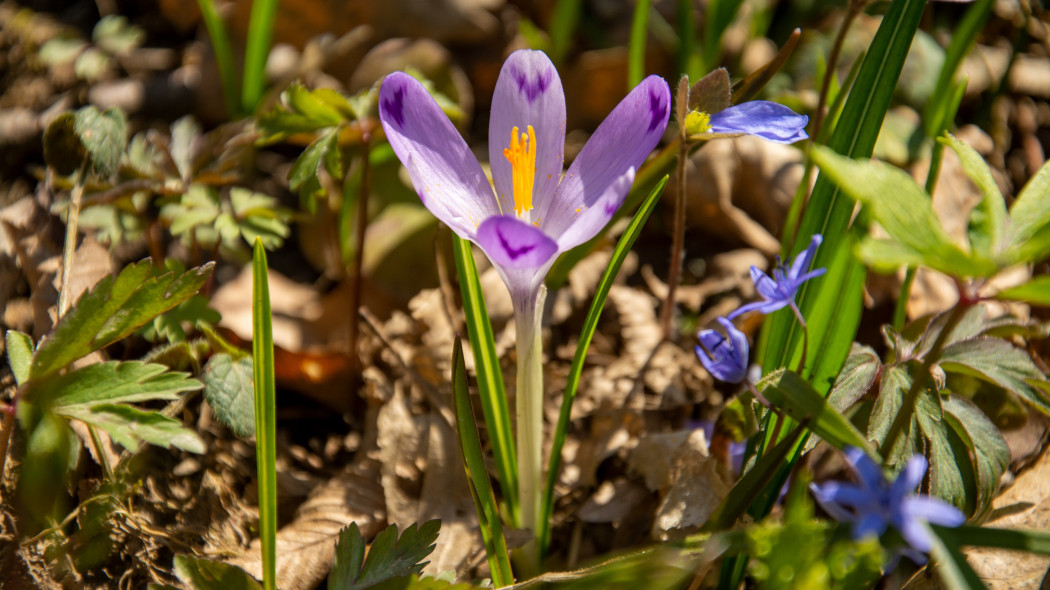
[529, 410]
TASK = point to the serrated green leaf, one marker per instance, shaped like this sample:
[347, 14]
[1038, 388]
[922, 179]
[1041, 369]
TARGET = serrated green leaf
[319, 107]
[983, 439]
[169, 325]
[113, 309]
[1028, 237]
[988, 219]
[303, 175]
[228, 390]
[127, 426]
[903, 209]
[113, 382]
[19, 354]
[795, 397]
[1035, 291]
[999, 362]
[259, 216]
[104, 135]
[389, 557]
[204, 574]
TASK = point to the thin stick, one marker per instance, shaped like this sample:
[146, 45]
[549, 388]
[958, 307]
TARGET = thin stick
[678, 237]
[72, 220]
[360, 225]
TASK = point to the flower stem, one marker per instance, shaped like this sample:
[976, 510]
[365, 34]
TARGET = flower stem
[529, 409]
[678, 233]
[805, 337]
[360, 227]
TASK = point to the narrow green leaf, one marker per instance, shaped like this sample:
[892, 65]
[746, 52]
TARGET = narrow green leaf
[938, 113]
[220, 43]
[257, 48]
[114, 382]
[637, 44]
[204, 574]
[718, 16]
[478, 475]
[590, 324]
[389, 557]
[1015, 539]
[490, 377]
[303, 175]
[228, 390]
[19, 354]
[1035, 291]
[562, 28]
[1028, 239]
[128, 426]
[952, 566]
[113, 309]
[795, 397]
[903, 209]
[988, 218]
[265, 414]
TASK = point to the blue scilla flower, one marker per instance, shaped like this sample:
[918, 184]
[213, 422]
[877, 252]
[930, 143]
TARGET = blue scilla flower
[768, 120]
[779, 290]
[873, 505]
[725, 357]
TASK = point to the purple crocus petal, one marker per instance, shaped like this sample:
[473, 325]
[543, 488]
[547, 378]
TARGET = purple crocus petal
[590, 221]
[768, 120]
[622, 141]
[528, 92]
[514, 244]
[444, 172]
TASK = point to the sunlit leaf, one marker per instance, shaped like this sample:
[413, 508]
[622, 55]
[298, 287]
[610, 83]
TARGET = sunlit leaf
[1035, 291]
[228, 390]
[104, 135]
[1028, 238]
[389, 556]
[113, 382]
[128, 426]
[988, 219]
[999, 362]
[19, 354]
[204, 574]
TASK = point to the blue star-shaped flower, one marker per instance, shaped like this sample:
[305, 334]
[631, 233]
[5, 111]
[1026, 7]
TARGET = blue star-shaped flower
[779, 291]
[873, 504]
[725, 357]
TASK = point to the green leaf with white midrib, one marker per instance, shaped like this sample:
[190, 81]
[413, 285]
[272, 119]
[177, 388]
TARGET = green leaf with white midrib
[114, 382]
[113, 309]
[590, 324]
[128, 425]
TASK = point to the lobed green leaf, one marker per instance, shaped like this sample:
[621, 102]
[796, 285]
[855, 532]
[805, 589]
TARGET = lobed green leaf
[128, 426]
[113, 382]
[999, 362]
[389, 557]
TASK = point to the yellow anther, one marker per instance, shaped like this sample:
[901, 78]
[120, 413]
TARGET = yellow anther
[697, 122]
[522, 157]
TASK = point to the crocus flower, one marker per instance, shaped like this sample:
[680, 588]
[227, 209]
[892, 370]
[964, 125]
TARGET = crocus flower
[536, 212]
[725, 357]
[779, 291]
[768, 120]
[873, 504]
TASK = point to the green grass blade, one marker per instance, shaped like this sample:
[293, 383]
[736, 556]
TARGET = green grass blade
[576, 370]
[563, 27]
[490, 378]
[220, 43]
[952, 566]
[636, 47]
[478, 477]
[938, 112]
[265, 414]
[720, 13]
[260, 31]
[1017, 540]
[828, 212]
[688, 60]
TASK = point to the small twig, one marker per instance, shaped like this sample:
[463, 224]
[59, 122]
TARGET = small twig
[448, 293]
[72, 220]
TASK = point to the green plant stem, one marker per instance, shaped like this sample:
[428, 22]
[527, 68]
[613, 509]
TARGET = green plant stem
[919, 382]
[70, 247]
[360, 227]
[528, 318]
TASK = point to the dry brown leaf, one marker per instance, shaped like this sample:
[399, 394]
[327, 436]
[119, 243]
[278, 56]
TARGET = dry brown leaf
[613, 501]
[692, 483]
[306, 546]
